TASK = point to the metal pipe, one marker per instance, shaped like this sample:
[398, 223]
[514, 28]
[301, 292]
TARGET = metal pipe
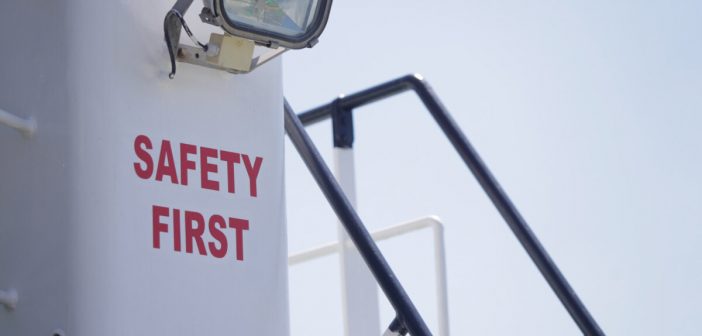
[441, 278]
[354, 226]
[25, 126]
[437, 227]
[380, 235]
[499, 198]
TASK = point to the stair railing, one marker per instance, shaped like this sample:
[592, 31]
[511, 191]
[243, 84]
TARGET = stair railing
[340, 110]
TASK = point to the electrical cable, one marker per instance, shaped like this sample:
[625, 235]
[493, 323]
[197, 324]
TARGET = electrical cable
[187, 29]
[170, 28]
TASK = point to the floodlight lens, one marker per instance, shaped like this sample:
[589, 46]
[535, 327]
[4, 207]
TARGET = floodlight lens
[289, 18]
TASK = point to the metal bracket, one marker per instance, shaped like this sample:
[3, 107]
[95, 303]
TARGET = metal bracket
[9, 299]
[25, 126]
[342, 124]
[227, 53]
[208, 17]
[264, 58]
[396, 328]
[223, 52]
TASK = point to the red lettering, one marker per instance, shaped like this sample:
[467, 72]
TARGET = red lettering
[168, 167]
[176, 230]
[194, 232]
[195, 226]
[231, 159]
[206, 168]
[158, 227]
[185, 163]
[141, 143]
[239, 225]
[253, 171]
[165, 163]
[218, 235]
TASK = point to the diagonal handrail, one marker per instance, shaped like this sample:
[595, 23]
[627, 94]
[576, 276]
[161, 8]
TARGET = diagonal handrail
[408, 316]
[499, 198]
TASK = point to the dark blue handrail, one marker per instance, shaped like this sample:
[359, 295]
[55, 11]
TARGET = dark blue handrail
[499, 198]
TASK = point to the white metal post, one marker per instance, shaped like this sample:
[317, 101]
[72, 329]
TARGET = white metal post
[440, 271]
[358, 287]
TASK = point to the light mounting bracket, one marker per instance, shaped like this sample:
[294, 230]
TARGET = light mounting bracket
[223, 51]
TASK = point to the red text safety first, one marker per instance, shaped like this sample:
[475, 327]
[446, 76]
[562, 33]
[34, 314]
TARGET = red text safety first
[189, 226]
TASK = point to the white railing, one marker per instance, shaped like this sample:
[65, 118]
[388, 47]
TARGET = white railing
[439, 259]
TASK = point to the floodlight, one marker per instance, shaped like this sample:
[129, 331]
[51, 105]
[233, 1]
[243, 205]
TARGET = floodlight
[289, 23]
[276, 24]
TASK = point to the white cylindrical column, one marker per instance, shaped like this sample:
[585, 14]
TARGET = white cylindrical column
[359, 289]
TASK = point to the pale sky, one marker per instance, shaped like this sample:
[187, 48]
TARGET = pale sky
[588, 114]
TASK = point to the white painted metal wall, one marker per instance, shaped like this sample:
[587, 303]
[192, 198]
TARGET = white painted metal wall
[77, 223]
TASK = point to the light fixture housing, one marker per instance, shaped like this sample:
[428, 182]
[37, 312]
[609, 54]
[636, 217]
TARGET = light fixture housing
[293, 24]
[277, 24]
